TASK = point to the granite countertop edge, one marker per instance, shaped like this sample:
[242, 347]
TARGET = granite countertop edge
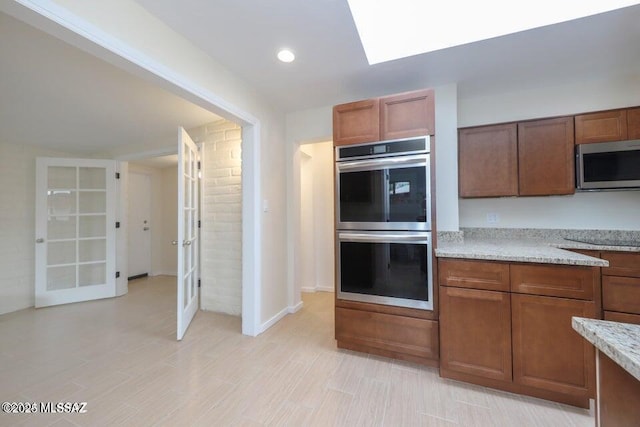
[619, 341]
[521, 250]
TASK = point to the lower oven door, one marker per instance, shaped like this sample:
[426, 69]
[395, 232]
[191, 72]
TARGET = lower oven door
[391, 268]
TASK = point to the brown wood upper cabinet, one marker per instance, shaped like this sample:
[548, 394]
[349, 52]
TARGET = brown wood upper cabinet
[603, 126]
[392, 117]
[533, 158]
[488, 161]
[356, 122]
[407, 115]
[633, 123]
[545, 157]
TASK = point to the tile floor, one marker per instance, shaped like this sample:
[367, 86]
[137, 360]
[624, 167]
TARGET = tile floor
[120, 356]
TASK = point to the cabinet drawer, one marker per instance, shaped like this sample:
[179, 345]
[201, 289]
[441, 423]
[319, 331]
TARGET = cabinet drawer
[621, 294]
[491, 276]
[614, 316]
[555, 280]
[621, 264]
[416, 337]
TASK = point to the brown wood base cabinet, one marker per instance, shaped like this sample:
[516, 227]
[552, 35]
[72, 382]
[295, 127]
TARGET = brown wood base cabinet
[516, 335]
[618, 395]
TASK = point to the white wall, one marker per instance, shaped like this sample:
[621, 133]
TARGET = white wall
[221, 215]
[594, 210]
[17, 224]
[125, 34]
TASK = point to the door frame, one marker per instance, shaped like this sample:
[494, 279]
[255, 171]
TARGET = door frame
[251, 223]
[53, 18]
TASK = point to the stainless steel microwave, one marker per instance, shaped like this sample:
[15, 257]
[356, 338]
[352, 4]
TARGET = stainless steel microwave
[608, 165]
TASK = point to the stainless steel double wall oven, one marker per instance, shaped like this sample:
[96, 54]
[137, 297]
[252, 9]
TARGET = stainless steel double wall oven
[383, 217]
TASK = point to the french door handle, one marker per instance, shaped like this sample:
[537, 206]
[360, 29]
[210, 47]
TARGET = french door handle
[145, 229]
[40, 240]
[174, 242]
[186, 243]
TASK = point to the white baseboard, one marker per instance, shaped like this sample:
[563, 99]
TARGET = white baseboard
[325, 288]
[310, 289]
[295, 308]
[269, 323]
[163, 273]
[307, 289]
[289, 310]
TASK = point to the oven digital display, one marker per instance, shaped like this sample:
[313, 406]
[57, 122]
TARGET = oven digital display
[379, 149]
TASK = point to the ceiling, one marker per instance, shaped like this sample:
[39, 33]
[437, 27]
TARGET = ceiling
[331, 66]
[60, 97]
[56, 96]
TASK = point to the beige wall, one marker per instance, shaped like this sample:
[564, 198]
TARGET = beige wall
[17, 224]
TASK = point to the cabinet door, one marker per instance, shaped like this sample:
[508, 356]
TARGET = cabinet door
[633, 123]
[488, 161]
[475, 332]
[601, 127]
[547, 353]
[407, 115]
[356, 122]
[546, 163]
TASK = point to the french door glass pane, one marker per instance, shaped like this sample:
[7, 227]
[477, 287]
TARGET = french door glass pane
[92, 274]
[92, 250]
[93, 226]
[61, 202]
[60, 177]
[61, 253]
[93, 202]
[92, 179]
[61, 227]
[61, 278]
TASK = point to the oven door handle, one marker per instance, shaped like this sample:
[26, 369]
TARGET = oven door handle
[383, 238]
[418, 160]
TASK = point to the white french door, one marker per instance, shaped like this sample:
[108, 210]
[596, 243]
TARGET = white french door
[188, 243]
[75, 230]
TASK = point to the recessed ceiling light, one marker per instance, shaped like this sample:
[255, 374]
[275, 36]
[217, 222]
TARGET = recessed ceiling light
[393, 29]
[285, 55]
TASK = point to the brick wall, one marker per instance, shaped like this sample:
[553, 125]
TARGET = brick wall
[221, 256]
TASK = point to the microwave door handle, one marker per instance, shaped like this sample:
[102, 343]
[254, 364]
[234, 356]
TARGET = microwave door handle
[381, 238]
[382, 163]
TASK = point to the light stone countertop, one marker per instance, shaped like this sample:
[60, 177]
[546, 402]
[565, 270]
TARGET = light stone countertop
[519, 250]
[619, 341]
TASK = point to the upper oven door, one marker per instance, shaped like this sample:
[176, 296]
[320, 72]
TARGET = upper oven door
[384, 194]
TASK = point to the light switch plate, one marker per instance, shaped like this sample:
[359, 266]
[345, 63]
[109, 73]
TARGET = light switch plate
[493, 218]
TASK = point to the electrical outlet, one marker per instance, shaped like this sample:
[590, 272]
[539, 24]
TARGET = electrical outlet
[493, 218]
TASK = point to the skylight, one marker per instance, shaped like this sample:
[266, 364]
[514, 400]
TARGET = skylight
[393, 29]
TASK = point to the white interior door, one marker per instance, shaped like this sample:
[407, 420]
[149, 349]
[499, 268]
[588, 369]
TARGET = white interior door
[139, 237]
[188, 243]
[75, 230]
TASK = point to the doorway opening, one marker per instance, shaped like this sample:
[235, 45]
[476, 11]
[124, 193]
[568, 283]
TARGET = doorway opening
[220, 213]
[316, 239]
